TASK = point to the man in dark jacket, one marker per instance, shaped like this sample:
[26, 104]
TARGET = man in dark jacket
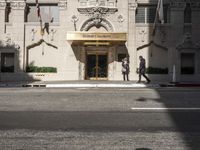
[142, 69]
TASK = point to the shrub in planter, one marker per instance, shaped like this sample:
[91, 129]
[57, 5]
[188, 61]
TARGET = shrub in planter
[41, 69]
[187, 70]
[152, 70]
[7, 69]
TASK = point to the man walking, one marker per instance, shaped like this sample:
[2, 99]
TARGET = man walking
[142, 68]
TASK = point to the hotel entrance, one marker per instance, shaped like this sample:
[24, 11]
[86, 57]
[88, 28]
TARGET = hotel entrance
[97, 66]
[96, 53]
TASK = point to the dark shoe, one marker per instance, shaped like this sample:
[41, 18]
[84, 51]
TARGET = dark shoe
[148, 81]
[138, 82]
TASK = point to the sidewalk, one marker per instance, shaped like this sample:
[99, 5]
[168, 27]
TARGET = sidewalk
[79, 84]
[94, 84]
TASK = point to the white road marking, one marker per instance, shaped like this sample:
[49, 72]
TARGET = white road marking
[165, 108]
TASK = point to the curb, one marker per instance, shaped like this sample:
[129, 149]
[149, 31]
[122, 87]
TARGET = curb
[99, 85]
[90, 85]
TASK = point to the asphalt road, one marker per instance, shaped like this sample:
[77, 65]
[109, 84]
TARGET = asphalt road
[36, 118]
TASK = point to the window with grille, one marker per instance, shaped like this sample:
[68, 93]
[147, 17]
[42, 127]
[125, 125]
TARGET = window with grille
[146, 14]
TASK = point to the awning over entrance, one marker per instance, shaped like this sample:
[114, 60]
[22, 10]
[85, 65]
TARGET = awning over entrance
[93, 38]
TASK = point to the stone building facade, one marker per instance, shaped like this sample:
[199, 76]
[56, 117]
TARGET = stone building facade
[87, 39]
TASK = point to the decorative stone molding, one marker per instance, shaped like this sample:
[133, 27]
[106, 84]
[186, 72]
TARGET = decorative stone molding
[97, 15]
[2, 5]
[33, 31]
[62, 4]
[18, 5]
[91, 22]
[74, 20]
[92, 11]
[142, 34]
[133, 5]
[195, 5]
[7, 42]
[97, 3]
[52, 33]
[120, 19]
[178, 4]
[188, 44]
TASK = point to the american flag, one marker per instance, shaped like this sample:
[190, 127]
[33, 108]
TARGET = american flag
[38, 9]
[159, 15]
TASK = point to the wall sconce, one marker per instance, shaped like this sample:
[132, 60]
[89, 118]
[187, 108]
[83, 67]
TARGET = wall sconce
[74, 20]
[52, 32]
[33, 31]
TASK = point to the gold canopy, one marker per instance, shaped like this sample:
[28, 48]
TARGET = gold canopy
[95, 38]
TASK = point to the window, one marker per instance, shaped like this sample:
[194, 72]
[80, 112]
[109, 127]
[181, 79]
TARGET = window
[7, 62]
[48, 12]
[146, 14]
[187, 63]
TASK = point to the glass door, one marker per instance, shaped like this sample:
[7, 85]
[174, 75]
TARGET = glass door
[97, 66]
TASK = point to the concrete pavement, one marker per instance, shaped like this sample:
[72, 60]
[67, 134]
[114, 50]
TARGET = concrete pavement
[98, 119]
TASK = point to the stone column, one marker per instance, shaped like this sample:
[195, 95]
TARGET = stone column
[131, 39]
[2, 16]
[195, 20]
[196, 29]
[18, 8]
[61, 34]
[175, 35]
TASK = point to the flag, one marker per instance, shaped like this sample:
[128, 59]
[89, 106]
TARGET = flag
[38, 9]
[160, 12]
[159, 15]
[39, 16]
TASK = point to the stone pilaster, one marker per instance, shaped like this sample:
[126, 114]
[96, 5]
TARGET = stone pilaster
[176, 33]
[2, 16]
[18, 8]
[131, 38]
[195, 20]
[62, 31]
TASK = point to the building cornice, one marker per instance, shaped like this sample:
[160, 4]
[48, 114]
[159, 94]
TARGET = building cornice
[177, 4]
[195, 5]
[133, 5]
[62, 4]
[18, 4]
[2, 5]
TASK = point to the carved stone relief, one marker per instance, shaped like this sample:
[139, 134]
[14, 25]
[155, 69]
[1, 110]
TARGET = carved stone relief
[97, 15]
[90, 23]
[188, 44]
[7, 42]
[142, 34]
